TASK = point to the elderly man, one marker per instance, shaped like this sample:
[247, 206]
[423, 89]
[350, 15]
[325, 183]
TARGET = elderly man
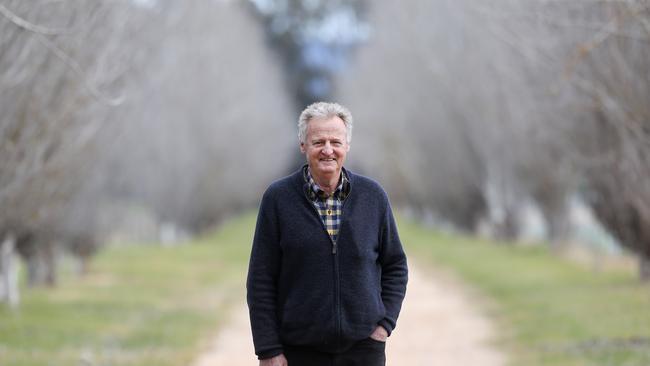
[327, 272]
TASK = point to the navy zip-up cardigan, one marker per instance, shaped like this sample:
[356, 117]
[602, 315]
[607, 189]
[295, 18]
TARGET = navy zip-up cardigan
[304, 290]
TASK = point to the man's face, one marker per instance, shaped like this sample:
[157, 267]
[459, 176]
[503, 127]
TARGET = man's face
[325, 146]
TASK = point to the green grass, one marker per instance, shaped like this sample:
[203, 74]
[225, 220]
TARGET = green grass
[548, 310]
[150, 305]
[140, 305]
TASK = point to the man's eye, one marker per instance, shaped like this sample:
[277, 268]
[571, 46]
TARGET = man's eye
[336, 143]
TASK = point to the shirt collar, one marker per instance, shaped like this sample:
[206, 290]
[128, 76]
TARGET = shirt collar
[314, 191]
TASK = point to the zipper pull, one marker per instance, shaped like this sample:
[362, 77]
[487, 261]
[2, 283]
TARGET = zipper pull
[333, 248]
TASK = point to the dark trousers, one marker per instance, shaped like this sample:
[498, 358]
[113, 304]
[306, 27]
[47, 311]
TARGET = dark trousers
[367, 352]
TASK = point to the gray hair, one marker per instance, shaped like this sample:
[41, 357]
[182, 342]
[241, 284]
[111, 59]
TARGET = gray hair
[324, 110]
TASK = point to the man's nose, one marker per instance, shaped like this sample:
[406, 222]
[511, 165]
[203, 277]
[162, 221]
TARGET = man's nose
[327, 148]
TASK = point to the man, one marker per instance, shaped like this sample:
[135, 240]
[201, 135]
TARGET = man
[327, 272]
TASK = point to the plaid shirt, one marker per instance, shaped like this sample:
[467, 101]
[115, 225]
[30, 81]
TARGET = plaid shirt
[329, 207]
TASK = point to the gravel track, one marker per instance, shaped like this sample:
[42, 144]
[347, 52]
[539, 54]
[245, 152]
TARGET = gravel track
[441, 324]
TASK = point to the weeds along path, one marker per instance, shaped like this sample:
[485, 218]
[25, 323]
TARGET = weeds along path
[440, 325]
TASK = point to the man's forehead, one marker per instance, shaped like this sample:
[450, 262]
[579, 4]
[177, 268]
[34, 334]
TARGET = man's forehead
[323, 126]
[326, 132]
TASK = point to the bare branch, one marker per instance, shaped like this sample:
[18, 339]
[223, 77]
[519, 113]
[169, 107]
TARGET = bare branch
[35, 28]
[77, 69]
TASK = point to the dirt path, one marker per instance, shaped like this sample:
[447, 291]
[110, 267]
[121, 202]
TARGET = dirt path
[440, 325]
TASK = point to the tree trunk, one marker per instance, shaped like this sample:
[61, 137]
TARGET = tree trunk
[644, 268]
[49, 260]
[558, 225]
[85, 265]
[35, 276]
[508, 229]
[8, 272]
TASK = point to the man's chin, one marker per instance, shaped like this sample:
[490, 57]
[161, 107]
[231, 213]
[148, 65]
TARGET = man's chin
[326, 169]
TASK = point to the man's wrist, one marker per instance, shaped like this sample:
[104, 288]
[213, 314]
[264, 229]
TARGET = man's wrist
[278, 360]
[270, 354]
[380, 334]
[386, 325]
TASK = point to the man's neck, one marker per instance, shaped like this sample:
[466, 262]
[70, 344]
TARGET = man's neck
[327, 183]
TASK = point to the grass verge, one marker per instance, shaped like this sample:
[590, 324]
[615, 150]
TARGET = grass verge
[549, 311]
[140, 305]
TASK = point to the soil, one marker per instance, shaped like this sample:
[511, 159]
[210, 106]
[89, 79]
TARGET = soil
[441, 323]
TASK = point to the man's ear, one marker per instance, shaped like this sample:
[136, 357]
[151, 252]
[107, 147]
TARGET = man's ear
[302, 147]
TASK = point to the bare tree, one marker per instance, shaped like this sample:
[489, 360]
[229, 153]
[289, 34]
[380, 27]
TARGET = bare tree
[610, 69]
[54, 84]
[489, 106]
[211, 124]
[594, 58]
[416, 131]
[148, 102]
